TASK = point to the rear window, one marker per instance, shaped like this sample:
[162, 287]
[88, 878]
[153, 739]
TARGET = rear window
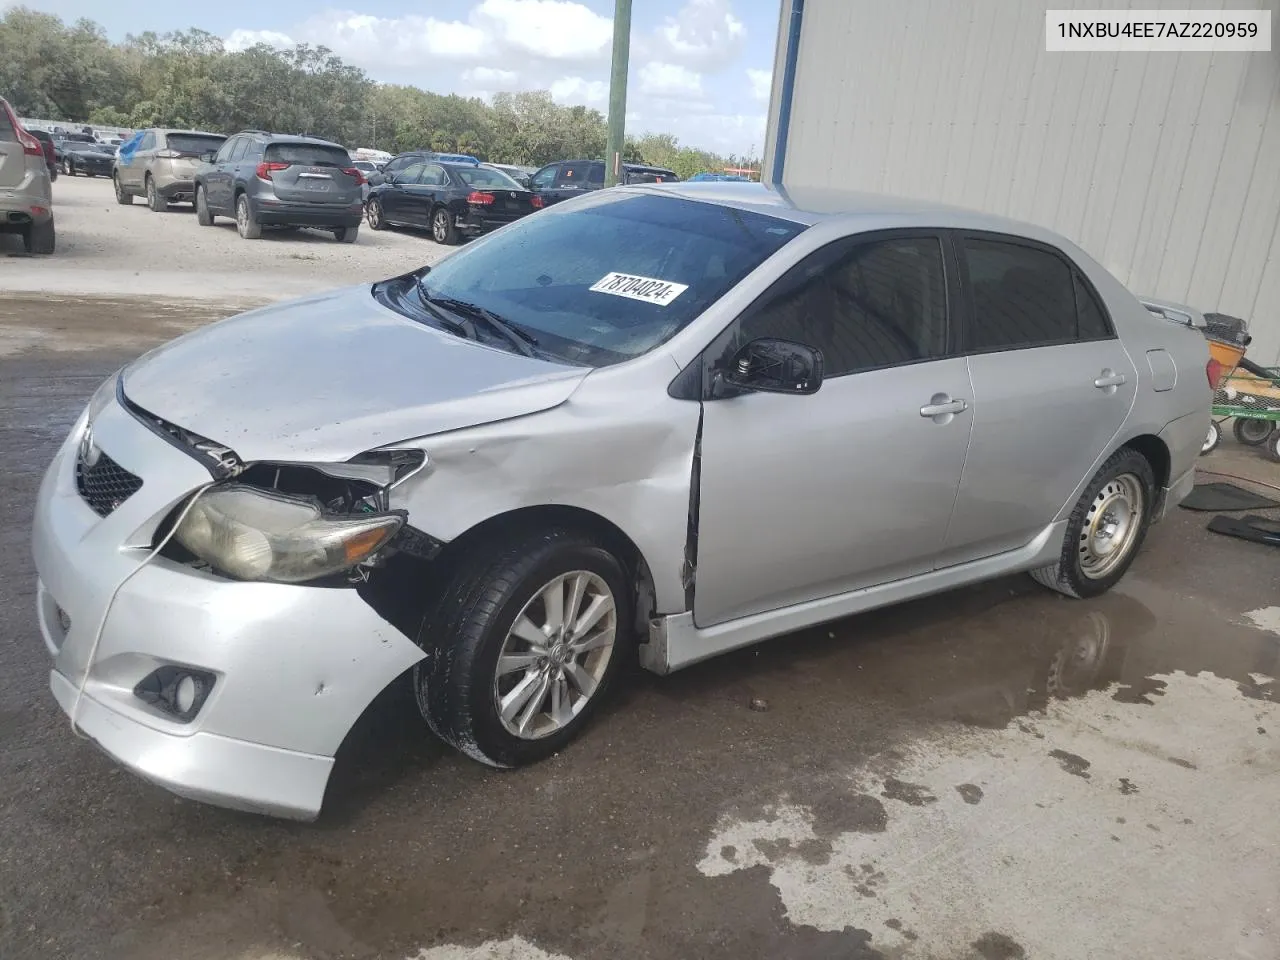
[193, 145]
[610, 280]
[485, 177]
[307, 155]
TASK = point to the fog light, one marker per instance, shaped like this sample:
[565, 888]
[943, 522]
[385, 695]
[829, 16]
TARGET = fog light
[179, 692]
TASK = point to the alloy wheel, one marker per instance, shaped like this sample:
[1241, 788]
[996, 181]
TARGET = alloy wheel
[440, 226]
[555, 655]
[1112, 525]
[373, 212]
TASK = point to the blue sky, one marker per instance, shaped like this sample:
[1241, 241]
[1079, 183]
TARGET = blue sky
[699, 68]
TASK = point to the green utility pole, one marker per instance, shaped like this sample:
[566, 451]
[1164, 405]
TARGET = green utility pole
[618, 91]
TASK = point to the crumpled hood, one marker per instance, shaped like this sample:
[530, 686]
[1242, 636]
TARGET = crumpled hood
[330, 376]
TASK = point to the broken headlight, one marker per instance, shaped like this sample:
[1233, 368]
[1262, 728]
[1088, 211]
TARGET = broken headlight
[255, 534]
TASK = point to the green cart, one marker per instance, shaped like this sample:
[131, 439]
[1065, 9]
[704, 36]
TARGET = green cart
[1250, 395]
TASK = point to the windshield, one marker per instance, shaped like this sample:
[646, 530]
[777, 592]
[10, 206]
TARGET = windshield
[192, 144]
[308, 155]
[611, 277]
[486, 177]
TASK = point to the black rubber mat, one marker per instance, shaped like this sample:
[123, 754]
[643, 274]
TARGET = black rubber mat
[1253, 529]
[1220, 496]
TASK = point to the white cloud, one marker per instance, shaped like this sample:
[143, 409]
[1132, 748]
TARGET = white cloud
[761, 83]
[578, 90]
[498, 79]
[552, 29]
[704, 34]
[659, 79]
[244, 39]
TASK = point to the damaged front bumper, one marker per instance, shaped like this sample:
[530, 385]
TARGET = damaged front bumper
[290, 668]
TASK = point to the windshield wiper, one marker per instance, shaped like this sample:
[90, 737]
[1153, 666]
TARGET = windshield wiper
[519, 338]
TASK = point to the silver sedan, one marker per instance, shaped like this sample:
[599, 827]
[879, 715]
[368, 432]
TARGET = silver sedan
[657, 422]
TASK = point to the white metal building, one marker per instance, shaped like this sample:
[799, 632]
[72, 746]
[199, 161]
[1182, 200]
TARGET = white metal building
[1164, 166]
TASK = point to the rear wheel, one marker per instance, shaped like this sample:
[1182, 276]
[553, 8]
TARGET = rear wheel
[1252, 433]
[123, 197]
[155, 201]
[1105, 529]
[442, 228]
[524, 646]
[39, 238]
[246, 224]
[347, 234]
[373, 213]
[203, 216]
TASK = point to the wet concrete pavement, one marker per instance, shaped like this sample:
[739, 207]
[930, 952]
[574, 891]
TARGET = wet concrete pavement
[993, 773]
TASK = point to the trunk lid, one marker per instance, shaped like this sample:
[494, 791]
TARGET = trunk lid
[312, 173]
[506, 205]
[333, 375]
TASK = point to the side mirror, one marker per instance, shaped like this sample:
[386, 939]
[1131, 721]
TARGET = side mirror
[768, 365]
[208, 157]
[376, 179]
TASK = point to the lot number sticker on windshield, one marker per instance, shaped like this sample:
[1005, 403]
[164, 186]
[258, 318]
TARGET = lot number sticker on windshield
[661, 292]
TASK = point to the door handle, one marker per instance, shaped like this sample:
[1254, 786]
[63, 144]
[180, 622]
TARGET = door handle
[1109, 378]
[941, 405]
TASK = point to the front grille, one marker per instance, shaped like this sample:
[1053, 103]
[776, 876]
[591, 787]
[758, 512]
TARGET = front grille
[104, 485]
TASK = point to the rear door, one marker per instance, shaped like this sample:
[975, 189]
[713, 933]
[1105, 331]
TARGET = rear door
[133, 164]
[218, 180]
[431, 189]
[1052, 386]
[312, 173]
[13, 161]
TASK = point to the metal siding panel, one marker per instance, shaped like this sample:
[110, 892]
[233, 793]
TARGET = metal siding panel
[1199, 176]
[971, 94]
[1014, 92]
[906, 76]
[1078, 180]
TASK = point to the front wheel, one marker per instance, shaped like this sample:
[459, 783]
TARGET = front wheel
[1105, 529]
[68, 168]
[1252, 433]
[442, 228]
[524, 646]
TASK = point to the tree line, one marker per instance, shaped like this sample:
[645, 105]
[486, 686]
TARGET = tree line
[72, 72]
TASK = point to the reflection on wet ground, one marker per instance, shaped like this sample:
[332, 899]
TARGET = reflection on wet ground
[974, 775]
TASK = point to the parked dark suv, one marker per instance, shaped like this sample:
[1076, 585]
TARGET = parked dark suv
[270, 179]
[568, 178]
[453, 199]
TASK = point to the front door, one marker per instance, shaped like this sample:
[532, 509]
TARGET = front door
[1052, 386]
[804, 497]
[395, 198]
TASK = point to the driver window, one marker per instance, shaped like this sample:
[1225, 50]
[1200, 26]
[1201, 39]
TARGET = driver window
[866, 304]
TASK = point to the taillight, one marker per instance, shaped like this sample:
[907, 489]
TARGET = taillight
[479, 198]
[536, 201]
[30, 145]
[265, 170]
[354, 172]
[1214, 371]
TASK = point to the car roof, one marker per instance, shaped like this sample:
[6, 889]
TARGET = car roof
[204, 133]
[813, 205]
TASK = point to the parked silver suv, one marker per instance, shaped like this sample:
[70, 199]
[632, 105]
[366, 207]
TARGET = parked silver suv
[160, 165]
[654, 422]
[26, 194]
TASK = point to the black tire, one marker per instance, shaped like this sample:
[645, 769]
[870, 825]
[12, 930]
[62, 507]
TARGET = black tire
[68, 168]
[1252, 433]
[1067, 575]
[53, 173]
[1273, 446]
[247, 224]
[442, 228]
[347, 234]
[123, 196]
[1211, 439]
[203, 216]
[39, 238]
[373, 213]
[464, 636]
[155, 202]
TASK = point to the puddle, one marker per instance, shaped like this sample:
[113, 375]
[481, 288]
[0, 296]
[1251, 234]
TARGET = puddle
[1104, 796]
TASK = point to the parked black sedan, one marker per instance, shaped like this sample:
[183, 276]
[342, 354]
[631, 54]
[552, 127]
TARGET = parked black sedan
[91, 159]
[454, 200]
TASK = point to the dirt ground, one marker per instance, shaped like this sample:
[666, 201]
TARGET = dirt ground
[991, 774]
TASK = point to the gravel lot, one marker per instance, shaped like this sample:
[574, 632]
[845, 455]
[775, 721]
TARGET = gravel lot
[996, 773]
[107, 249]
